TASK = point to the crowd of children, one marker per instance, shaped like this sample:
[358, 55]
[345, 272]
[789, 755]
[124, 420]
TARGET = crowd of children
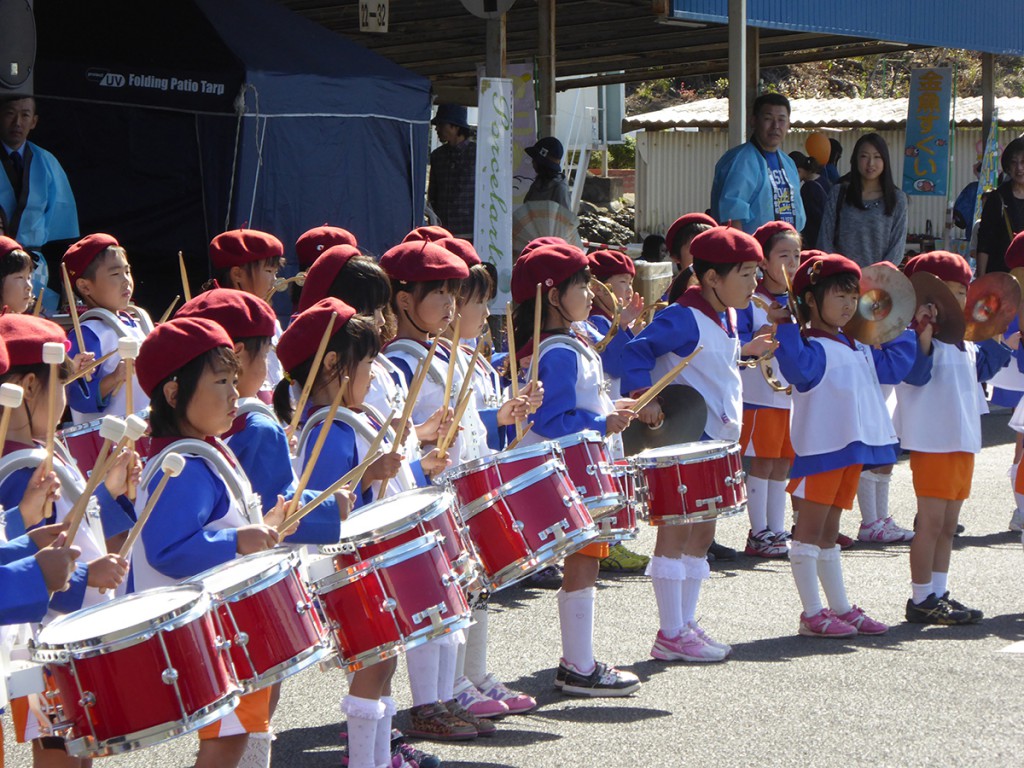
[240, 401]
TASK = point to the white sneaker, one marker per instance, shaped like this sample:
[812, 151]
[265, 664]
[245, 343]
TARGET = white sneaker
[725, 647]
[905, 534]
[1017, 520]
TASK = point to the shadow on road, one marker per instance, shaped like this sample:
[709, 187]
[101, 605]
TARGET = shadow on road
[615, 713]
[305, 747]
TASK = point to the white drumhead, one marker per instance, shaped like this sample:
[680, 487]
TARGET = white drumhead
[388, 514]
[686, 451]
[119, 615]
[243, 569]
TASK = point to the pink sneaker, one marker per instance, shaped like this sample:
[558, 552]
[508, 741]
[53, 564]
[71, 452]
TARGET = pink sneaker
[825, 623]
[476, 703]
[699, 630]
[894, 529]
[688, 646]
[515, 703]
[863, 623]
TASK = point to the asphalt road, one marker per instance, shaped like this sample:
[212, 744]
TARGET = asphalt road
[918, 696]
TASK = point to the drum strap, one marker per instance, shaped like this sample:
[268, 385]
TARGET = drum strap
[254, 405]
[345, 416]
[111, 320]
[70, 481]
[438, 367]
[564, 340]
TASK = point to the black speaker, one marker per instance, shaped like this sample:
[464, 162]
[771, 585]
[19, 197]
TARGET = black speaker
[17, 46]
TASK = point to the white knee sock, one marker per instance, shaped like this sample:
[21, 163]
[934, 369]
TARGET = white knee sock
[257, 751]
[363, 716]
[757, 503]
[697, 572]
[667, 577]
[803, 562]
[777, 505]
[940, 583]
[446, 665]
[423, 662]
[882, 495]
[920, 592]
[576, 618]
[475, 649]
[830, 574]
[866, 498]
[1014, 468]
[382, 741]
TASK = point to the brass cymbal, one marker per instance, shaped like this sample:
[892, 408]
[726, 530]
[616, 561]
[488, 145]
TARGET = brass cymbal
[992, 301]
[686, 414]
[886, 307]
[949, 327]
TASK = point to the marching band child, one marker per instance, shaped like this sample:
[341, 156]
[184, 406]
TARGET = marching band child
[16, 267]
[350, 351]
[766, 408]
[678, 239]
[248, 260]
[100, 274]
[311, 245]
[207, 514]
[1006, 389]
[839, 425]
[945, 379]
[574, 400]
[725, 264]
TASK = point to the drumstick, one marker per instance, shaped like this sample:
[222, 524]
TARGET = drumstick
[37, 309]
[167, 313]
[172, 466]
[91, 367]
[184, 276]
[414, 391]
[314, 371]
[53, 355]
[11, 397]
[112, 430]
[453, 430]
[535, 358]
[514, 443]
[321, 438]
[72, 308]
[513, 368]
[664, 381]
[128, 349]
[450, 376]
[354, 475]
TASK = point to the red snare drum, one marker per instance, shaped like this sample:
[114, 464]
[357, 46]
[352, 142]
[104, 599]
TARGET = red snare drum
[621, 525]
[398, 519]
[474, 480]
[397, 600]
[586, 459]
[692, 482]
[84, 443]
[138, 670]
[262, 607]
[532, 520]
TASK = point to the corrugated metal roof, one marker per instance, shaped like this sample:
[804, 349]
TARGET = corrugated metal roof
[822, 113]
[979, 25]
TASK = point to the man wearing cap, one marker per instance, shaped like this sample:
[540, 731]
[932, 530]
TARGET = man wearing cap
[550, 183]
[453, 170]
[756, 182]
[36, 198]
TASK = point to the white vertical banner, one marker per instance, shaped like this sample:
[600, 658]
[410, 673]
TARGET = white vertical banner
[492, 219]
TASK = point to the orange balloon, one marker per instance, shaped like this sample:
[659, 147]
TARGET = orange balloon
[818, 147]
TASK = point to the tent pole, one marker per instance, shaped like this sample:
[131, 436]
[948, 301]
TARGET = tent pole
[546, 67]
[496, 46]
[737, 71]
[988, 87]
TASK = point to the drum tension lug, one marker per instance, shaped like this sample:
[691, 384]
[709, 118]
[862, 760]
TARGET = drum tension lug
[302, 606]
[682, 490]
[88, 699]
[518, 526]
[242, 639]
[169, 676]
[557, 530]
[433, 614]
[222, 644]
[389, 605]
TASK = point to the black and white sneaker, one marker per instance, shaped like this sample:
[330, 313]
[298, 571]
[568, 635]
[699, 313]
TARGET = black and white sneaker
[605, 680]
[936, 611]
[974, 613]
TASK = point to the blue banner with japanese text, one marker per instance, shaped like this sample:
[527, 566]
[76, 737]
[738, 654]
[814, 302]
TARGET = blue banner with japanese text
[926, 160]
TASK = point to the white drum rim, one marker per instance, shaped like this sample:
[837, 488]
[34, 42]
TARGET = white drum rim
[515, 485]
[440, 499]
[279, 563]
[586, 436]
[672, 456]
[518, 453]
[399, 554]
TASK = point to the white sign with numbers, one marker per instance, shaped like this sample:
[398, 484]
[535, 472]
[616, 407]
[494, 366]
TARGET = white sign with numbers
[373, 15]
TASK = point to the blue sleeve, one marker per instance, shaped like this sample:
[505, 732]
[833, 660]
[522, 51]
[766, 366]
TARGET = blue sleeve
[990, 358]
[736, 183]
[339, 455]
[116, 515]
[84, 396]
[23, 595]
[558, 415]
[403, 369]
[673, 330]
[18, 548]
[262, 450]
[71, 599]
[800, 361]
[419, 475]
[895, 359]
[921, 372]
[11, 492]
[495, 434]
[745, 324]
[176, 541]
[611, 358]
[321, 526]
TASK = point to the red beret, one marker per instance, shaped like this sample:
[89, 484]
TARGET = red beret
[79, 256]
[420, 261]
[726, 245]
[537, 242]
[321, 276]
[7, 245]
[461, 248]
[428, 234]
[943, 264]
[605, 264]
[550, 265]
[1014, 256]
[766, 232]
[811, 253]
[173, 345]
[311, 244]
[239, 313]
[817, 268]
[243, 246]
[301, 338]
[24, 336]
[684, 221]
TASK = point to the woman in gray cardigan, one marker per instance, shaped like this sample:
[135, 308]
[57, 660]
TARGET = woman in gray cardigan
[865, 218]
